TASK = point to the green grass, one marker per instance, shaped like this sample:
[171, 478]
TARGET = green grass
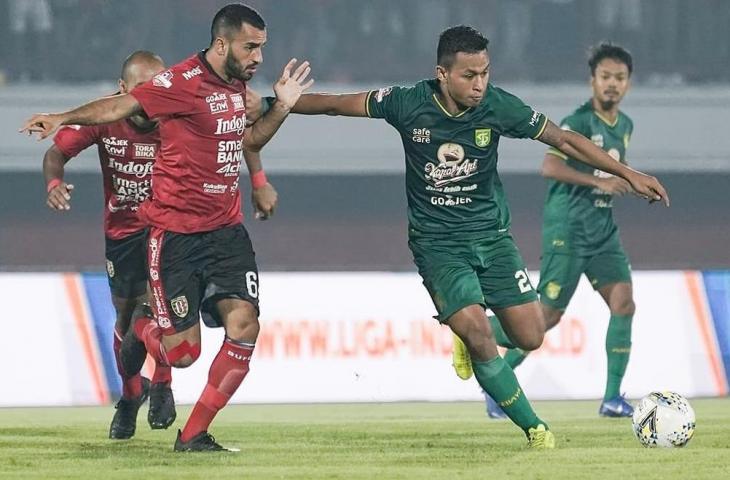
[360, 441]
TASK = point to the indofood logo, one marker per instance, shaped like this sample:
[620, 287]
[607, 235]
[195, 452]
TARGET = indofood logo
[452, 166]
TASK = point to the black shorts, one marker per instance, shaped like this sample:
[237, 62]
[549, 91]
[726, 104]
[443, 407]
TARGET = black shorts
[126, 265]
[189, 273]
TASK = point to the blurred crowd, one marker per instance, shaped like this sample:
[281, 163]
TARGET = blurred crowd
[368, 41]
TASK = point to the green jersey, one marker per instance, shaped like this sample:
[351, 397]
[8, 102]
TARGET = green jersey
[579, 219]
[452, 185]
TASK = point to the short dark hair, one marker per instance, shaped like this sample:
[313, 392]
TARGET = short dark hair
[232, 17]
[606, 50]
[144, 55]
[457, 39]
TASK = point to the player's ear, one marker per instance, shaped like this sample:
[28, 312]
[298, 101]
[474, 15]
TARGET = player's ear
[122, 86]
[219, 46]
[440, 73]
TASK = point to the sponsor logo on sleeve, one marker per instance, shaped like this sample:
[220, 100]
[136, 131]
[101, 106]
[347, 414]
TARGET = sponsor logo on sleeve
[163, 79]
[382, 93]
[535, 118]
[193, 72]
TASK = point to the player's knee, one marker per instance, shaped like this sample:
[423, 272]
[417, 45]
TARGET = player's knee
[624, 307]
[532, 340]
[184, 354]
[245, 329]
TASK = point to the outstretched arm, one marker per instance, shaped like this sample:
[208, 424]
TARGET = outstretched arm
[557, 169]
[102, 110]
[577, 146]
[346, 104]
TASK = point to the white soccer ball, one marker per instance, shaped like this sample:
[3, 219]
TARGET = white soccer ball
[664, 419]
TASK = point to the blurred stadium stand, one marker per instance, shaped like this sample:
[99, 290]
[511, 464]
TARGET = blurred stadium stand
[341, 180]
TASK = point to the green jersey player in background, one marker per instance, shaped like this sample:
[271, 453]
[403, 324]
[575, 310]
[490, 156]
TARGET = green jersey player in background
[458, 218]
[579, 234]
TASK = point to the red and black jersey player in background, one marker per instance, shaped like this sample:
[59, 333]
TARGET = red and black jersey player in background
[200, 258]
[127, 151]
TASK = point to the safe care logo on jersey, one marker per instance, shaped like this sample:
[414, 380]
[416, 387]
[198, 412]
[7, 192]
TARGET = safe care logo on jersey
[163, 79]
[482, 137]
[452, 166]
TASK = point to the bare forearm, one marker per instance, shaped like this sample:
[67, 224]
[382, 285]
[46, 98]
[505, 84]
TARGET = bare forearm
[350, 104]
[253, 161]
[579, 147]
[53, 164]
[265, 128]
[103, 110]
[557, 169]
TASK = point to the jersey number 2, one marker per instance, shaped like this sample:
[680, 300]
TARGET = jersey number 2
[523, 281]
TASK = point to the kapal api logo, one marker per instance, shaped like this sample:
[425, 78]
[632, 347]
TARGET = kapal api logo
[452, 166]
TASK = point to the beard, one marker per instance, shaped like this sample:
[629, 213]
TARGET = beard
[234, 69]
[607, 104]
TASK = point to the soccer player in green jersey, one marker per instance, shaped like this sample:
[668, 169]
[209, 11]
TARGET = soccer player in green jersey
[579, 234]
[458, 218]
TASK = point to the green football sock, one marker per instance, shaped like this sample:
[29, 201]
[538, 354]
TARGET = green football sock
[514, 357]
[499, 381]
[500, 337]
[618, 349]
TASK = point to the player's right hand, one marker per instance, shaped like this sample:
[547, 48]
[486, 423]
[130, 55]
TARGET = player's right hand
[614, 186]
[44, 124]
[59, 198]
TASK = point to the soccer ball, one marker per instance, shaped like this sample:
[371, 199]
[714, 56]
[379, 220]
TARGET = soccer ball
[664, 419]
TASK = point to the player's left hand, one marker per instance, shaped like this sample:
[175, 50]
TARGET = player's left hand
[44, 124]
[264, 200]
[290, 86]
[648, 187]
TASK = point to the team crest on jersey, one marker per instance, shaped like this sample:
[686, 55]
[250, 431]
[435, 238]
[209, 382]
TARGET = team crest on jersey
[163, 79]
[180, 306]
[482, 137]
[109, 268]
[553, 290]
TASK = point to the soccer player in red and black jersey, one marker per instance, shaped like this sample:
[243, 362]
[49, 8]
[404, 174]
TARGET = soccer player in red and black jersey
[127, 151]
[200, 257]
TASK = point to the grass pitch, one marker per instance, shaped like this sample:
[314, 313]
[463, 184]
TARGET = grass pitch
[359, 441]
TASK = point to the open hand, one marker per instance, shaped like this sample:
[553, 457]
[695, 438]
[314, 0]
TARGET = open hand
[290, 86]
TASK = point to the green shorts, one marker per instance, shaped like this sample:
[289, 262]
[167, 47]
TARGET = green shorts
[560, 273]
[466, 271]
